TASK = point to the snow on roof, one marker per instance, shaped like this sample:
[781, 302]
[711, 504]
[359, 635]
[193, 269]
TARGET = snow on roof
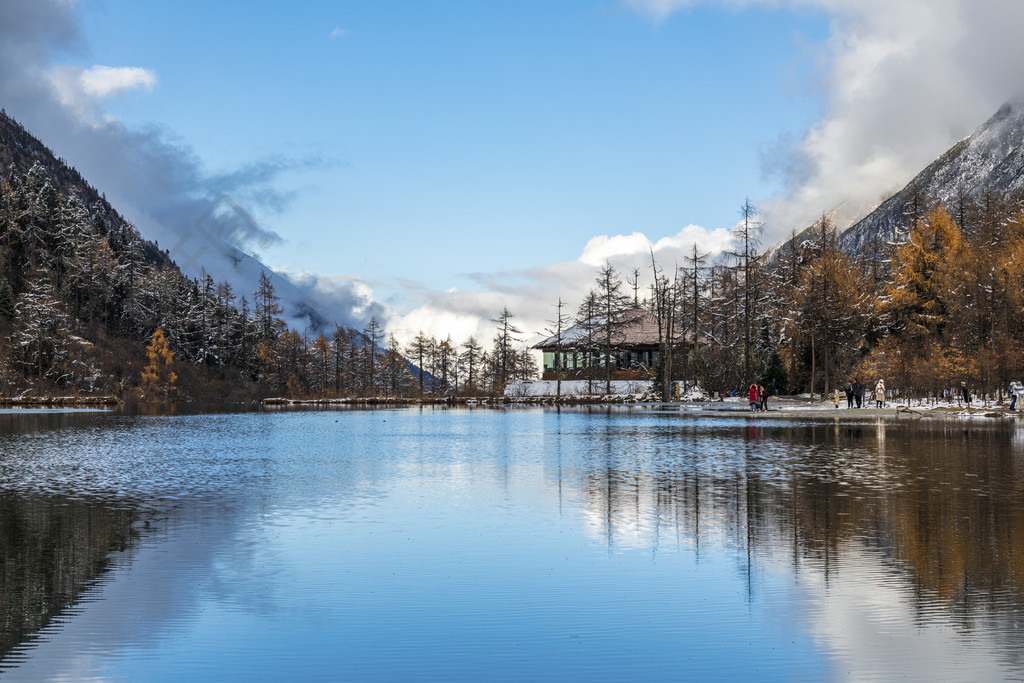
[634, 328]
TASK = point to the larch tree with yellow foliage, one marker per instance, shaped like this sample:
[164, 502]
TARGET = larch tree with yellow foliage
[158, 379]
[922, 272]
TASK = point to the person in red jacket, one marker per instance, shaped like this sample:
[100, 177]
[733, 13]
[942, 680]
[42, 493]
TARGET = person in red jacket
[754, 397]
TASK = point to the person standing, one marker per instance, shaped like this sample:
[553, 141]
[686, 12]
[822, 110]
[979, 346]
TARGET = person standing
[764, 398]
[835, 397]
[858, 391]
[880, 394]
[848, 390]
[1015, 390]
[965, 394]
[754, 397]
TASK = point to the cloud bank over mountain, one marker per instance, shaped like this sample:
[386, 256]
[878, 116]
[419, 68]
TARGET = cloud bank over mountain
[905, 80]
[157, 181]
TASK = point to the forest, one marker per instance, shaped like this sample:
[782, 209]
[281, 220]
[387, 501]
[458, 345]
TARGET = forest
[88, 307]
[936, 304]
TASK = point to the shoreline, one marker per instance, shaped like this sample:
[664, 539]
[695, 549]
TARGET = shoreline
[789, 408]
[780, 408]
[59, 401]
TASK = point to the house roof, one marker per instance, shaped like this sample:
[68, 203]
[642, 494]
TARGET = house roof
[635, 328]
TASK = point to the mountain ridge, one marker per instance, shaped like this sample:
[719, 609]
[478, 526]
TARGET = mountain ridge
[989, 160]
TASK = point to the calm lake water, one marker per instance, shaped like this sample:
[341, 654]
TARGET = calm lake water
[525, 544]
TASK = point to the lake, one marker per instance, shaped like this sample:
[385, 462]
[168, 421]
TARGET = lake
[509, 544]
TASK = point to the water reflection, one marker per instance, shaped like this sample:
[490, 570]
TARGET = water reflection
[918, 528]
[53, 550]
[830, 549]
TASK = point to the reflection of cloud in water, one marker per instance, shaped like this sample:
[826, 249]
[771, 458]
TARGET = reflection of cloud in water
[846, 530]
[878, 628]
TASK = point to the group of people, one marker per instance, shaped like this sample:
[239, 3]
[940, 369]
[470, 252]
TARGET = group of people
[758, 397]
[855, 391]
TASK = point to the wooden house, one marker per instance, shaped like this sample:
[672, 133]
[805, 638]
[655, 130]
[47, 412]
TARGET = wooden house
[583, 350]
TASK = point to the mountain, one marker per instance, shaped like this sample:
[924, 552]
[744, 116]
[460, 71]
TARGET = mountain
[20, 152]
[989, 160]
[90, 307]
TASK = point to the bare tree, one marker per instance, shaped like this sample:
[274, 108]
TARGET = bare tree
[556, 330]
[747, 241]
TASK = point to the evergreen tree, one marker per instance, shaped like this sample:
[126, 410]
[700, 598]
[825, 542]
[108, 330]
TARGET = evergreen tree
[612, 305]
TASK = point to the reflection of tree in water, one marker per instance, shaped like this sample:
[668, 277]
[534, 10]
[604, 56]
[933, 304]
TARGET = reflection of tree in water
[52, 549]
[940, 503]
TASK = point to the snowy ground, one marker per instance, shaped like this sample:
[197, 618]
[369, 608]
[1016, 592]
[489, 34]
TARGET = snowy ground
[642, 391]
[805, 403]
[621, 389]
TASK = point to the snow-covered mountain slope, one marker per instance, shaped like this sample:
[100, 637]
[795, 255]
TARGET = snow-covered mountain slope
[222, 240]
[991, 159]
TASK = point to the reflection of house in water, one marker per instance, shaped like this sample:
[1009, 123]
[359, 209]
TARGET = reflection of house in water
[584, 351]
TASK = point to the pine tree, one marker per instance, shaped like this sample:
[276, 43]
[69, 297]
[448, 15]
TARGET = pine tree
[612, 305]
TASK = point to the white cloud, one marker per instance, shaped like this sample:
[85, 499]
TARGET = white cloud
[906, 80]
[604, 248]
[338, 32]
[533, 294]
[103, 81]
[80, 90]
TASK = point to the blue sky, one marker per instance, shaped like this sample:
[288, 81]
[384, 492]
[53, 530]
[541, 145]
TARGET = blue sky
[460, 137]
[432, 163]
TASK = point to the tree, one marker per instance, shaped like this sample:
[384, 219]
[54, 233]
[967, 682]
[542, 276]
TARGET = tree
[922, 269]
[374, 335]
[558, 326]
[341, 342]
[696, 263]
[503, 342]
[6, 301]
[41, 339]
[587, 322]
[828, 307]
[747, 241]
[321, 365]
[268, 309]
[470, 360]
[664, 305]
[395, 370]
[158, 379]
[418, 349]
[612, 305]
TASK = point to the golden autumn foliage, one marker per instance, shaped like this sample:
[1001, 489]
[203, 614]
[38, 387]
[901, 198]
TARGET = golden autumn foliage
[954, 306]
[923, 273]
[158, 379]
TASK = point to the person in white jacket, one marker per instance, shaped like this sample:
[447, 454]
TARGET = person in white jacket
[1016, 391]
[880, 394]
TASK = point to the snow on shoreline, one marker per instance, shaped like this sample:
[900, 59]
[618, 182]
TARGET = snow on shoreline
[642, 391]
